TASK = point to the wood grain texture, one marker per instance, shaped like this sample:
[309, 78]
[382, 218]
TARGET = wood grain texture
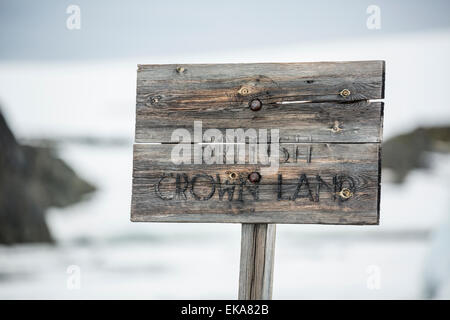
[173, 96]
[163, 191]
[329, 142]
[297, 122]
[257, 261]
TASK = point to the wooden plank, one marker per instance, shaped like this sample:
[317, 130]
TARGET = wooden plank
[152, 161]
[173, 96]
[305, 122]
[257, 260]
[305, 189]
[329, 142]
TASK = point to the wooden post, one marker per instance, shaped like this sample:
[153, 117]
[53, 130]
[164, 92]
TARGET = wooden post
[257, 257]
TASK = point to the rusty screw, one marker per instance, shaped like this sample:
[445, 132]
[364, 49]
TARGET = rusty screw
[345, 93]
[254, 177]
[255, 105]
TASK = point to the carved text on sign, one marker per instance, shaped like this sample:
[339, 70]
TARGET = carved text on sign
[204, 187]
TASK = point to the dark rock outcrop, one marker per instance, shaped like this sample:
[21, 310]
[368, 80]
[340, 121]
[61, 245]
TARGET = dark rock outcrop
[31, 180]
[408, 151]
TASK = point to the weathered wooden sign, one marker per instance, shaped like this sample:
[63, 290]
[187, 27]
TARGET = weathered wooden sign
[259, 143]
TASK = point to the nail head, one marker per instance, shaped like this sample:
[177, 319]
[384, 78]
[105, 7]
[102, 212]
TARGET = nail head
[254, 177]
[255, 105]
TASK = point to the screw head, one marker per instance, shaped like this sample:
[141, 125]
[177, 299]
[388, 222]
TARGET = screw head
[180, 69]
[254, 177]
[255, 105]
[345, 93]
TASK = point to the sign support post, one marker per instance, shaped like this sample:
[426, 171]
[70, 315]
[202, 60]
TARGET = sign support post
[257, 260]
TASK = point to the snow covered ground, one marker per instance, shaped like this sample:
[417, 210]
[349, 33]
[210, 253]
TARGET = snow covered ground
[120, 259]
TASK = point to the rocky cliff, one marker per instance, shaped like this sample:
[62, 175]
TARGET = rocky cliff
[31, 180]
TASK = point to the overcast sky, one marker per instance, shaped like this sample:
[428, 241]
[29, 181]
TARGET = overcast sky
[36, 30]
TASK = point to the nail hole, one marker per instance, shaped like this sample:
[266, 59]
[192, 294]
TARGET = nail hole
[345, 193]
[243, 91]
[345, 93]
[232, 175]
[336, 127]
